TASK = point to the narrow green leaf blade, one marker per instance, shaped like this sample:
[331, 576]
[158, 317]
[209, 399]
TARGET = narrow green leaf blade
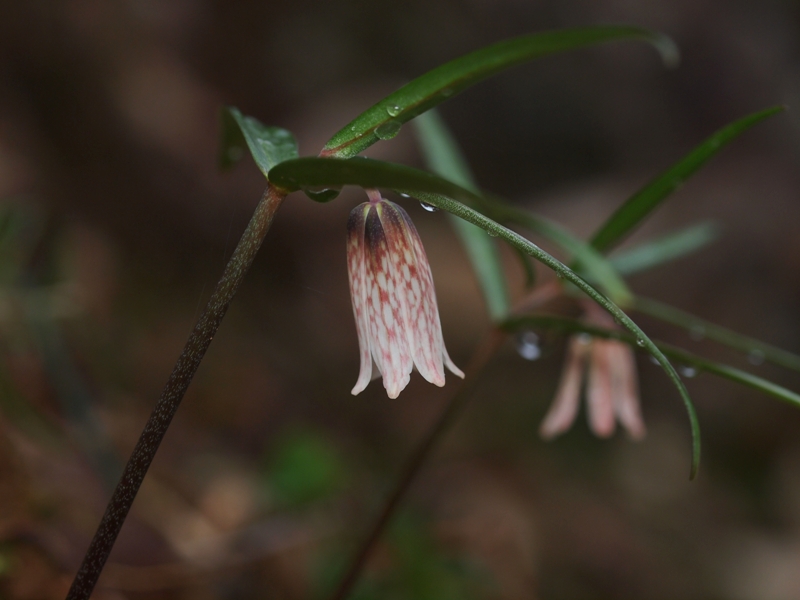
[701, 328]
[665, 249]
[636, 208]
[384, 119]
[268, 146]
[321, 172]
[444, 158]
[678, 354]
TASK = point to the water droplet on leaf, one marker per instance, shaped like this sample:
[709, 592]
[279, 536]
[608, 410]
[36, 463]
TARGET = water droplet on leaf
[428, 207]
[528, 345]
[388, 130]
[756, 357]
[394, 110]
[640, 343]
[322, 195]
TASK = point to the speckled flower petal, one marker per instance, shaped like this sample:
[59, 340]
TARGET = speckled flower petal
[357, 271]
[564, 409]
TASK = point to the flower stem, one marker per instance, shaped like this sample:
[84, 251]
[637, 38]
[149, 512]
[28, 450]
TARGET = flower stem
[167, 405]
[455, 405]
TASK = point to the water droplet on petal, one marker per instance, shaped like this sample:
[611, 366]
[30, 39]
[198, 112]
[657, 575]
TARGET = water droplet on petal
[428, 207]
[394, 110]
[756, 357]
[388, 130]
[687, 371]
[528, 345]
[697, 333]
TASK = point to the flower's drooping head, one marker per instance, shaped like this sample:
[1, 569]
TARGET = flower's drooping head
[611, 388]
[394, 301]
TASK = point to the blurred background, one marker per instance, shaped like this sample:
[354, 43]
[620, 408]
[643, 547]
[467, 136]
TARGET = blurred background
[115, 224]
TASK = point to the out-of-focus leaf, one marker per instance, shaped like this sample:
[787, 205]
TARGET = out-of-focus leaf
[444, 158]
[384, 119]
[268, 145]
[636, 208]
[670, 247]
[304, 468]
[314, 172]
[690, 363]
[756, 350]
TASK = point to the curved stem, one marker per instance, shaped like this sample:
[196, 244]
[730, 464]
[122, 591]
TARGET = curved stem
[167, 405]
[414, 464]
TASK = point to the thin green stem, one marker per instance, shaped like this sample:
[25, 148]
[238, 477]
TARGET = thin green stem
[177, 384]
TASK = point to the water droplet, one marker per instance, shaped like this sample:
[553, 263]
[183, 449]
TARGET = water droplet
[394, 110]
[403, 195]
[528, 345]
[492, 233]
[560, 275]
[640, 343]
[388, 130]
[697, 333]
[428, 207]
[756, 357]
[322, 195]
[687, 371]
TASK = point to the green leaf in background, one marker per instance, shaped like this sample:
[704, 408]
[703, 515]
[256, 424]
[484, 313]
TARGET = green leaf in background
[320, 172]
[268, 145]
[756, 350]
[304, 467]
[672, 246]
[444, 158]
[690, 363]
[636, 208]
[384, 119]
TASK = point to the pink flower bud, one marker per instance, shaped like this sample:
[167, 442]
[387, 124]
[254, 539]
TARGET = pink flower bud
[394, 301]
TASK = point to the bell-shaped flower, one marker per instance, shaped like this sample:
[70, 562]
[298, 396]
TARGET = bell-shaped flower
[611, 386]
[394, 301]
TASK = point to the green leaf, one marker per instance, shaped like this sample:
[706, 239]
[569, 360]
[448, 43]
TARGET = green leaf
[384, 119]
[636, 208]
[444, 158]
[700, 328]
[315, 172]
[685, 358]
[661, 250]
[597, 268]
[268, 145]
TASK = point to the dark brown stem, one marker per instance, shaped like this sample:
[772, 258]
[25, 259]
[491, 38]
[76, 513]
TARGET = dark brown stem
[173, 393]
[414, 464]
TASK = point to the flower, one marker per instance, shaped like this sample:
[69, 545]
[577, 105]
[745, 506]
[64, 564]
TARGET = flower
[394, 301]
[611, 388]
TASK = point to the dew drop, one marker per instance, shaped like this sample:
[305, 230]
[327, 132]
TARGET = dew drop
[528, 345]
[388, 130]
[697, 333]
[394, 110]
[687, 372]
[756, 357]
[404, 195]
[640, 343]
[428, 207]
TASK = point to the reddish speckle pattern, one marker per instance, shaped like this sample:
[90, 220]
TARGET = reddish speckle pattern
[394, 301]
